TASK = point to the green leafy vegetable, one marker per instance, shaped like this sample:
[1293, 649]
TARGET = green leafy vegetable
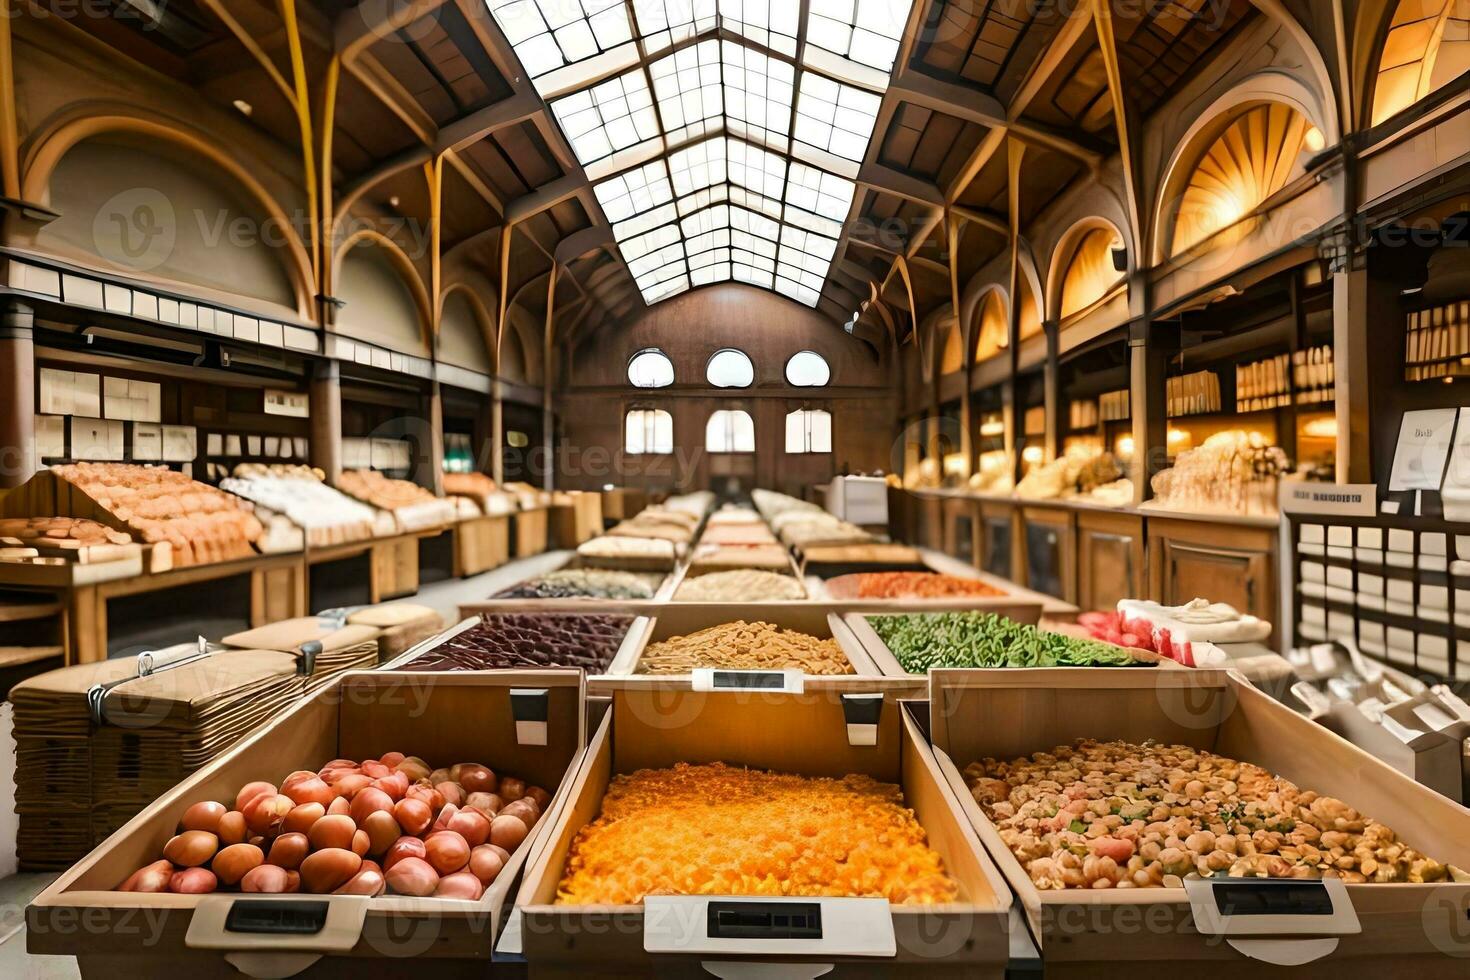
[923, 641]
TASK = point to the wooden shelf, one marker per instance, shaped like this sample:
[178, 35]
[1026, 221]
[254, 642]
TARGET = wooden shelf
[19, 610]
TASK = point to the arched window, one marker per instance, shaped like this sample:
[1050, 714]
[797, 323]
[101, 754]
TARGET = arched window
[808, 369]
[730, 368]
[648, 431]
[1251, 160]
[730, 431]
[1428, 46]
[650, 368]
[809, 430]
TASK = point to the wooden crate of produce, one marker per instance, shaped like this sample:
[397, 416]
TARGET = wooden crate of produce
[684, 619]
[360, 716]
[1403, 929]
[809, 735]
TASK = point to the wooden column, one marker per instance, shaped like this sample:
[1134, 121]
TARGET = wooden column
[548, 352]
[967, 445]
[1147, 374]
[9, 130]
[1052, 385]
[17, 395]
[434, 479]
[497, 434]
[1351, 358]
[326, 419]
[1010, 392]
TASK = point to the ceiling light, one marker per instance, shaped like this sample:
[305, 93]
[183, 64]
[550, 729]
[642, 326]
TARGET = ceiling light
[1313, 140]
[245, 107]
[393, 202]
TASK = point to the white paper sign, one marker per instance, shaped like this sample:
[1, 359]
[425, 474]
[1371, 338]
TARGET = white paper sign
[1423, 448]
[1456, 490]
[1339, 499]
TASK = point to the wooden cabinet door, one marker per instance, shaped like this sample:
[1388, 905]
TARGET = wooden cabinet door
[1222, 563]
[1110, 559]
[1048, 543]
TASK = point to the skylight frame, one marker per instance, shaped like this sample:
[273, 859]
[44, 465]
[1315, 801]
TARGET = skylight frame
[700, 120]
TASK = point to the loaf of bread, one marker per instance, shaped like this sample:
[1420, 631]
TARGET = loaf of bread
[203, 524]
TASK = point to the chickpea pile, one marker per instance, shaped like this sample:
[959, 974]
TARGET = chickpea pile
[1122, 815]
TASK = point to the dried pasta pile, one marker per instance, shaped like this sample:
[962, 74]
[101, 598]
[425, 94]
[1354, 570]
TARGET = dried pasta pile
[745, 646]
[719, 830]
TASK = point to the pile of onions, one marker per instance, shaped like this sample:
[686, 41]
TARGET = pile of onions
[384, 825]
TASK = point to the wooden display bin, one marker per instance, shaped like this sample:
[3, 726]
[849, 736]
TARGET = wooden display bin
[928, 518]
[692, 570]
[481, 544]
[576, 516]
[860, 627]
[681, 619]
[1405, 930]
[664, 724]
[661, 595]
[621, 503]
[531, 529]
[1110, 559]
[395, 567]
[439, 717]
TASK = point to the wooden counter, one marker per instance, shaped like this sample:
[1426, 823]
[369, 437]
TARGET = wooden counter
[1093, 555]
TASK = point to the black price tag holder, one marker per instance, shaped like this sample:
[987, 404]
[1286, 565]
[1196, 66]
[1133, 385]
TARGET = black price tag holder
[760, 928]
[1283, 921]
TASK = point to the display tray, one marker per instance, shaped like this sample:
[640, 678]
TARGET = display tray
[1416, 930]
[639, 621]
[722, 558]
[829, 561]
[360, 715]
[684, 618]
[667, 582]
[810, 735]
[1017, 603]
[691, 570]
[857, 623]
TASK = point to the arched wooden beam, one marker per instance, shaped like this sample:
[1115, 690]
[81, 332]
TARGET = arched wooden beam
[400, 261]
[52, 141]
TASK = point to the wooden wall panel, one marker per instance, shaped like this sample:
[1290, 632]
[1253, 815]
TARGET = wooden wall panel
[689, 329]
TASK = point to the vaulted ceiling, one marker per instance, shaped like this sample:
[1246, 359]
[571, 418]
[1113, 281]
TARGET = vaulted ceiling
[646, 147]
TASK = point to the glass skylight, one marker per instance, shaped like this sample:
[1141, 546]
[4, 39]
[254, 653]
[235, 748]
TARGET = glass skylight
[723, 136]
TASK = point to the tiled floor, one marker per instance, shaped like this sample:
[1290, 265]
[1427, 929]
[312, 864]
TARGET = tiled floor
[17, 890]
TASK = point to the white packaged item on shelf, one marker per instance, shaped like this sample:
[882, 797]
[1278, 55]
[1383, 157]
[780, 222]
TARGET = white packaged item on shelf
[1339, 625]
[1312, 534]
[1434, 653]
[1313, 571]
[1400, 539]
[1339, 577]
[326, 515]
[1369, 556]
[1434, 596]
[1432, 543]
[1339, 536]
[1370, 537]
[1312, 613]
[1369, 584]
